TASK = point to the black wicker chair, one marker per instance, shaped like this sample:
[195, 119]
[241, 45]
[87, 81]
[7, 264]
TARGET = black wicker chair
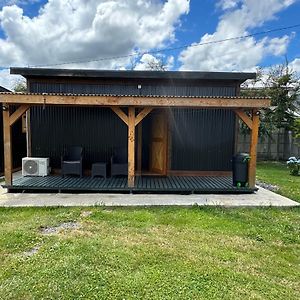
[119, 162]
[71, 164]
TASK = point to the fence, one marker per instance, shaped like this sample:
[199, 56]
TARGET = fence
[279, 146]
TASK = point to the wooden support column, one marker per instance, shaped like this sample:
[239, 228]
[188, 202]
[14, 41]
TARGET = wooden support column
[28, 133]
[253, 148]
[7, 146]
[132, 121]
[139, 148]
[131, 146]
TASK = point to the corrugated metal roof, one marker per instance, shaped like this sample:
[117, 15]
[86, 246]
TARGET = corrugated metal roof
[137, 96]
[130, 74]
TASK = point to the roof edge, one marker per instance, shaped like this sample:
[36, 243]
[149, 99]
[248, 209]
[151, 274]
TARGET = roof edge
[134, 96]
[4, 90]
[129, 74]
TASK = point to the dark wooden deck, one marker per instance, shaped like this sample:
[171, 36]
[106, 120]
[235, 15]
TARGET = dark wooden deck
[146, 184]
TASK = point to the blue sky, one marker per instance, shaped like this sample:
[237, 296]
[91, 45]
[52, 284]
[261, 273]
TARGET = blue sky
[40, 32]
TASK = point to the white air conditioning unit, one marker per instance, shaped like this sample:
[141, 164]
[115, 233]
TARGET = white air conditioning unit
[35, 166]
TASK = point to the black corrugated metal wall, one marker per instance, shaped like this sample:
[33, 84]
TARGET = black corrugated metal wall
[98, 130]
[131, 89]
[201, 139]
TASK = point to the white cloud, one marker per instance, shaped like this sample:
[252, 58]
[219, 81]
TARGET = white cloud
[227, 4]
[243, 54]
[77, 30]
[295, 65]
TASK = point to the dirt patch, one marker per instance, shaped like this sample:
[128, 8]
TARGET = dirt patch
[56, 229]
[85, 213]
[32, 251]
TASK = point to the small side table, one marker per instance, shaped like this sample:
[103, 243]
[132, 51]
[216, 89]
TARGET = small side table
[99, 169]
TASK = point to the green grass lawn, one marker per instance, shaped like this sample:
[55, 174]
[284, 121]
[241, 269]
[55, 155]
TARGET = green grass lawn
[158, 253]
[277, 173]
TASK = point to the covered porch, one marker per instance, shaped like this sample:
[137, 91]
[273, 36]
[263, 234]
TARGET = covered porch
[132, 110]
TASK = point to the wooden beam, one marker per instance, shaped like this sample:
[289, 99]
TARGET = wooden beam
[18, 113]
[140, 101]
[7, 146]
[253, 148]
[244, 117]
[121, 114]
[142, 115]
[131, 146]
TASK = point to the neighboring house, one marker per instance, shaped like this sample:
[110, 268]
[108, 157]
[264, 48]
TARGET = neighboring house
[19, 141]
[178, 127]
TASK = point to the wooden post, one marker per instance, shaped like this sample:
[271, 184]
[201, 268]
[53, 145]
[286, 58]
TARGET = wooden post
[131, 121]
[253, 148]
[131, 146]
[28, 133]
[139, 148]
[7, 146]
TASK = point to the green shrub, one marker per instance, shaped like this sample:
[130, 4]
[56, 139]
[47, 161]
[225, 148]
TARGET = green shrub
[294, 165]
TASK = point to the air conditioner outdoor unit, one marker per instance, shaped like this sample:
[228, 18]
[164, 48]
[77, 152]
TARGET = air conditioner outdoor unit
[35, 166]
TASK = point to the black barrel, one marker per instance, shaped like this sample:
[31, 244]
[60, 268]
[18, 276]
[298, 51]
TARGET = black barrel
[240, 169]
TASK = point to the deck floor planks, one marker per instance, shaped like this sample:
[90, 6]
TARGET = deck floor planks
[143, 183]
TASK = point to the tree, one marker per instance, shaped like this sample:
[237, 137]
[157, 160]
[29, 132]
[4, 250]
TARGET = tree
[283, 90]
[150, 63]
[156, 64]
[20, 87]
[282, 85]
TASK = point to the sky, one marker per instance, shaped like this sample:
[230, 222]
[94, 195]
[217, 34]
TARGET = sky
[128, 34]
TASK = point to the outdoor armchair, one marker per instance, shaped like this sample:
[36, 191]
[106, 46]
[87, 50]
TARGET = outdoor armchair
[119, 162]
[71, 163]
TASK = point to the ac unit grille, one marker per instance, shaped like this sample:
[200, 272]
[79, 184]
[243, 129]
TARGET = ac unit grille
[31, 167]
[35, 166]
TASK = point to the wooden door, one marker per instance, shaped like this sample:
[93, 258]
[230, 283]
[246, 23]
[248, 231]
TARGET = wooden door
[159, 143]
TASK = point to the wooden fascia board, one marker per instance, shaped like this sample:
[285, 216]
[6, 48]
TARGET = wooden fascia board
[67, 100]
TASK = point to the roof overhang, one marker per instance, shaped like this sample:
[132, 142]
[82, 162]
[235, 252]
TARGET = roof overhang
[137, 101]
[3, 89]
[129, 74]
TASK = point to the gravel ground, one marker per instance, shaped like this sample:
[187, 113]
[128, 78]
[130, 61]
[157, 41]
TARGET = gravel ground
[57, 229]
[267, 186]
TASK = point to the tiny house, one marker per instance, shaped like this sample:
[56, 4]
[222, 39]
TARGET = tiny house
[178, 128]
